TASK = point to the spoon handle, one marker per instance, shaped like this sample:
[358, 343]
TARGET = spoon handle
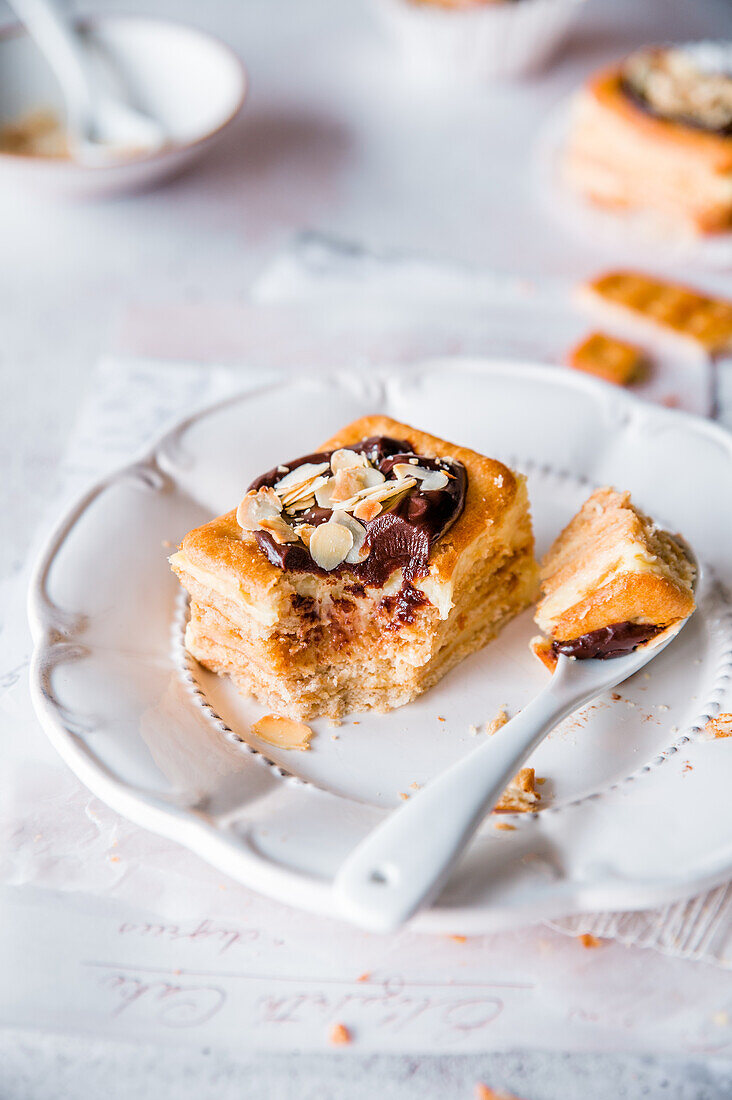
[405, 861]
[53, 32]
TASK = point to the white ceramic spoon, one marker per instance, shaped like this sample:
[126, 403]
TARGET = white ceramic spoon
[404, 863]
[102, 126]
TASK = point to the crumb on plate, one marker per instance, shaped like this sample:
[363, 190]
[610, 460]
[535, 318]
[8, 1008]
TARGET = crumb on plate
[521, 795]
[497, 723]
[721, 726]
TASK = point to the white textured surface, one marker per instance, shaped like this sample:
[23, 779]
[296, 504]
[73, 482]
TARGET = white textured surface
[63, 1068]
[333, 140]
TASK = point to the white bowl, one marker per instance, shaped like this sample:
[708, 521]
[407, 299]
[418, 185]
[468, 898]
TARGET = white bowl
[193, 83]
[492, 41]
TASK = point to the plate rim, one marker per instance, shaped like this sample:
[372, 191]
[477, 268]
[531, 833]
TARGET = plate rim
[219, 846]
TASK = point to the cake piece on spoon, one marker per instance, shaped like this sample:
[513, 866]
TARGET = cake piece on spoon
[611, 581]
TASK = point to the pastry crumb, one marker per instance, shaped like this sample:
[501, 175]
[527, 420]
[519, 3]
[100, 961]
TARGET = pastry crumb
[588, 940]
[482, 1092]
[473, 731]
[615, 695]
[505, 826]
[334, 723]
[608, 358]
[404, 795]
[721, 726]
[521, 795]
[339, 1035]
[497, 723]
[440, 718]
[414, 786]
[458, 939]
[365, 977]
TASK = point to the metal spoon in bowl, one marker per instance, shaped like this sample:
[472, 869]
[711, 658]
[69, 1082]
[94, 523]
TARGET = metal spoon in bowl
[404, 863]
[102, 126]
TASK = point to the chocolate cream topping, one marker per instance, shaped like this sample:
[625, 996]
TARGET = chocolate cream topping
[610, 641]
[401, 538]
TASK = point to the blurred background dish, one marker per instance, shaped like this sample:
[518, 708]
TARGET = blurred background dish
[191, 82]
[654, 133]
[635, 233]
[475, 41]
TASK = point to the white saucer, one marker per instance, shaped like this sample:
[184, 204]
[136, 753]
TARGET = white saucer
[636, 798]
[186, 79]
[632, 235]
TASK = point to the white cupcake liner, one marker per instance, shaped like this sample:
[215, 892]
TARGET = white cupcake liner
[494, 41]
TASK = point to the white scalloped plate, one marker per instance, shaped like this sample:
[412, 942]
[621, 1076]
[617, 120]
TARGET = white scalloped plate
[633, 235]
[637, 807]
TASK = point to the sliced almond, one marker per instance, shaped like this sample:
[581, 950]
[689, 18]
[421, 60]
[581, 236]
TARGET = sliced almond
[257, 505]
[359, 551]
[300, 476]
[279, 530]
[367, 510]
[308, 488]
[437, 480]
[324, 494]
[304, 532]
[284, 733]
[431, 479]
[301, 505]
[329, 545]
[351, 481]
[380, 492]
[393, 502]
[346, 460]
[347, 483]
[373, 477]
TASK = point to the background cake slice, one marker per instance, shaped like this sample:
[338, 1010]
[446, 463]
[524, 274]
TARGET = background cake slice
[439, 555]
[611, 581]
[654, 133]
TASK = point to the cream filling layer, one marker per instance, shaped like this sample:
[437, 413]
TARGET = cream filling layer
[225, 587]
[632, 558]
